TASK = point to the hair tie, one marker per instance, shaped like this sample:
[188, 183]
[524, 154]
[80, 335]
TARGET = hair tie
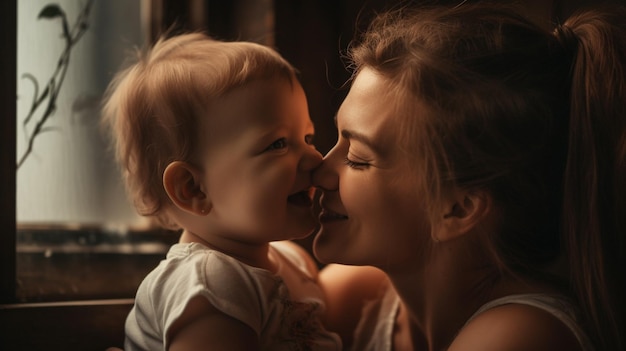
[567, 38]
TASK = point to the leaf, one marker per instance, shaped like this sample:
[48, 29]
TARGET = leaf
[51, 11]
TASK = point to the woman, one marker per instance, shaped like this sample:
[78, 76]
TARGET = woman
[481, 165]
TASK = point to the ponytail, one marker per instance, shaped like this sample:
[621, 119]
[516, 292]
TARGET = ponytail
[594, 210]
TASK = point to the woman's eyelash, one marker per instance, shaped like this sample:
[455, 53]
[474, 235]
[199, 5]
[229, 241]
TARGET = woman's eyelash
[354, 164]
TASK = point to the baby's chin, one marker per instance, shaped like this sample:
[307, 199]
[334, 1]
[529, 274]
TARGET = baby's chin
[305, 234]
[301, 223]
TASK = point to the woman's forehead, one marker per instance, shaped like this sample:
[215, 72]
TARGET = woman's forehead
[374, 105]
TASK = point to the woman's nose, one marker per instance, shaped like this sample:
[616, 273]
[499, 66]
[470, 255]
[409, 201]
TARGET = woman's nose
[325, 176]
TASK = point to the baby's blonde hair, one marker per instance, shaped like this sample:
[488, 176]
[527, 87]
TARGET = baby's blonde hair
[152, 108]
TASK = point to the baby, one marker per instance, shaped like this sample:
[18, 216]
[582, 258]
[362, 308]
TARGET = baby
[215, 138]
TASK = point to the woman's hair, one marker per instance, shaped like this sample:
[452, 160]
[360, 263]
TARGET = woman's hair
[537, 119]
[153, 107]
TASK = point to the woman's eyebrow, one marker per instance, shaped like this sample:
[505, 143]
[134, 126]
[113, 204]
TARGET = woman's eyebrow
[352, 135]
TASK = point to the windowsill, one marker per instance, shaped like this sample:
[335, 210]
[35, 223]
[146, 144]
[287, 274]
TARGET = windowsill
[75, 325]
[68, 264]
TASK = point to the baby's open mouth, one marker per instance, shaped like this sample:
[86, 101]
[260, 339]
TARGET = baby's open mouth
[327, 216]
[301, 198]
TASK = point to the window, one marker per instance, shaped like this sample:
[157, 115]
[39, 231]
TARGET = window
[74, 225]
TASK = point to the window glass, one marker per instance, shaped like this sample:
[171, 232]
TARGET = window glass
[76, 228]
[68, 177]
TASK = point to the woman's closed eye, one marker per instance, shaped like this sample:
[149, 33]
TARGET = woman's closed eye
[356, 164]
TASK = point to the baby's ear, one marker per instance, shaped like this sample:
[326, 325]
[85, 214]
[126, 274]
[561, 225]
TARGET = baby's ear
[461, 213]
[183, 184]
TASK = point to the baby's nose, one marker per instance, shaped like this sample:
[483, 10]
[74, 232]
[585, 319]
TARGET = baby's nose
[311, 159]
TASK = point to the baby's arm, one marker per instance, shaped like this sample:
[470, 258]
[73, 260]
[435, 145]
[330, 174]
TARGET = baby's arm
[203, 327]
[347, 289]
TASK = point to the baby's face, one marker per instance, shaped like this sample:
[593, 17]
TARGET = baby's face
[257, 156]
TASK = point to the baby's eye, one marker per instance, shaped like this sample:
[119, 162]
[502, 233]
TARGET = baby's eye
[355, 164]
[278, 144]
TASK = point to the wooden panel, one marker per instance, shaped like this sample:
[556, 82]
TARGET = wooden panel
[84, 326]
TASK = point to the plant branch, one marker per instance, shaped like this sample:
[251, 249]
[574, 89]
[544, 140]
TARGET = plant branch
[53, 88]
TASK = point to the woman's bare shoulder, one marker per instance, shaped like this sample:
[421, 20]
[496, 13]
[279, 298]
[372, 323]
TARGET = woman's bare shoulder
[347, 290]
[515, 327]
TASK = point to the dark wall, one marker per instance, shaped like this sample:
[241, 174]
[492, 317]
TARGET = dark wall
[313, 34]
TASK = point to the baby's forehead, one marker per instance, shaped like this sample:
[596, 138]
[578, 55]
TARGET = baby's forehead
[254, 102]
[256, 90]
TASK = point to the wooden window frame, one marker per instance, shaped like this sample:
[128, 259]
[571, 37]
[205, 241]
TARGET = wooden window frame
[8, 68]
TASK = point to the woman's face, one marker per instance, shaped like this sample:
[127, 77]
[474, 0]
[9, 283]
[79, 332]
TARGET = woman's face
[372, 213]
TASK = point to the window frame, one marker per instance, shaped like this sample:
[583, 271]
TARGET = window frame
[8, 68]
[69, 325]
